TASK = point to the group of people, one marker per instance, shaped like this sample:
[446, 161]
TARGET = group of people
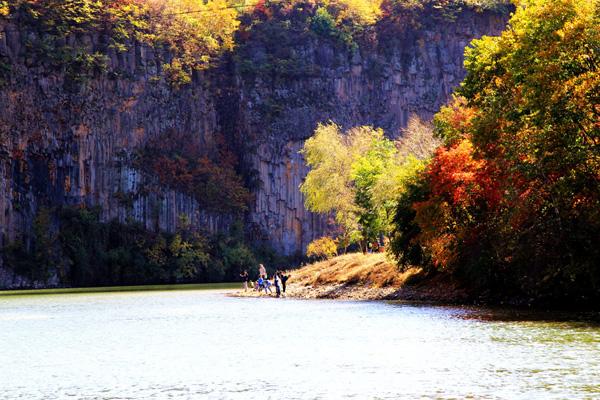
[263, 282]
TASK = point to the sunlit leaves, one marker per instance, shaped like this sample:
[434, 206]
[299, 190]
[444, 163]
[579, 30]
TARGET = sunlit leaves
[358, 174]
[195, 30]
[4, 10]
[514, 195]
[322, 248]
[360, 12]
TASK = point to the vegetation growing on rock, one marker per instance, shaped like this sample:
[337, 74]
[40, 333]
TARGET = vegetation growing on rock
[80, 250]
[179, 163]
[194, 33]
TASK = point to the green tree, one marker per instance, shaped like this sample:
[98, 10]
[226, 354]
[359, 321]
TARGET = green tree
[328, 186]
[372, 161]
[357, 176]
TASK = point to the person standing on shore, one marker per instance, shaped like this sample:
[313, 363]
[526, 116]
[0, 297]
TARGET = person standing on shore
[244, 275]
[284, 279]
[276, 281]
[262, 272]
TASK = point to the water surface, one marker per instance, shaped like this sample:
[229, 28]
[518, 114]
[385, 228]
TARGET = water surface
[202, 344]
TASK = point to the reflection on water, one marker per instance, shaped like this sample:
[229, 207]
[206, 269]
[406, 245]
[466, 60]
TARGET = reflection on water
[197, 344]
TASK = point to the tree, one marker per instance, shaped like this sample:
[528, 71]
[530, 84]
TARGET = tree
[535, 91]
[328, 187]
[512, 201]
[359, 12]
[322, 248]
[392, 184]
[4, 10]
[356, 175]
[417, 139]
[374, 155]
[196, 31]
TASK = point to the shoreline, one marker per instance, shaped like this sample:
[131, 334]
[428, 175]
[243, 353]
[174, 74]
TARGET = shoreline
[425, 293]
[115, 289]
[357, 276]
[431, 292]
[373, 277]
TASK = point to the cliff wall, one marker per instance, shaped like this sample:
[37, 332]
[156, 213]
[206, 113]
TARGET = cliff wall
[395, 72]
[66, 141]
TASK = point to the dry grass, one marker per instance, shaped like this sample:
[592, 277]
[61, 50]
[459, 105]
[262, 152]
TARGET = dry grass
[374, 270]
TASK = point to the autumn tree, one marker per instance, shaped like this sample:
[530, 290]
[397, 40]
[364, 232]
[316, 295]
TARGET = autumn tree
[328, 186]
[322, 248]
[196, 32]
[357, 175]
[4, 10]
[359, 12]
[512, 201]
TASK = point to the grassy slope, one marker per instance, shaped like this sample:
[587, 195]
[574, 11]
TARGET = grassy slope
[375, 270]
[372, 277]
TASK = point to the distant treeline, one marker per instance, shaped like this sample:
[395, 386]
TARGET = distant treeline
[72, 247]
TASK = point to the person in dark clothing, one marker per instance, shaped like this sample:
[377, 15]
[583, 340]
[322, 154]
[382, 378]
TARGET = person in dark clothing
[276, 281]
[246, 278]
[284, 279]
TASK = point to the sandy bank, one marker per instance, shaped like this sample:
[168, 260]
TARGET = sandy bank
[367, 277]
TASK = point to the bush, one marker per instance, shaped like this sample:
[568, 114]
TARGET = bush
[323, 23]
[322, 248]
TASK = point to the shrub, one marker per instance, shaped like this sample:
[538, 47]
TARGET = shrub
[322, 248]
[323, 23]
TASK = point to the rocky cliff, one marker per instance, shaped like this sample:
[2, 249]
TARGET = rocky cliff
[396, 71]
[67, 141]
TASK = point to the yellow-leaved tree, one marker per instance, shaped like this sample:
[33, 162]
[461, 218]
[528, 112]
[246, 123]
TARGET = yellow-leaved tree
[360, 12]
[196, 31]
[322, 248]
[328, 187]
[4, 10]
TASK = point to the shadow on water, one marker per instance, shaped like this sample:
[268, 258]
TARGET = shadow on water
[505, 314]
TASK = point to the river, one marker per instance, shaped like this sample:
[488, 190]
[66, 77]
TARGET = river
[203, 344]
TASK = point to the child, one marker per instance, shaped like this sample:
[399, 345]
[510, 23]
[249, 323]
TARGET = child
[244, 276]
[260, 284]
[267, 286]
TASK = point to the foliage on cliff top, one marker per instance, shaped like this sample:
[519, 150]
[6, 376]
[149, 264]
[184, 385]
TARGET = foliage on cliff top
[190, 35]
[4, 10]
[272, 35]
[194, 32]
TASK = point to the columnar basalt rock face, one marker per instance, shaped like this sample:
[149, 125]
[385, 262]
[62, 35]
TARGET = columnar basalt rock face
[381, 84]
[63, 145]
[279, 206]
[66, 143]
